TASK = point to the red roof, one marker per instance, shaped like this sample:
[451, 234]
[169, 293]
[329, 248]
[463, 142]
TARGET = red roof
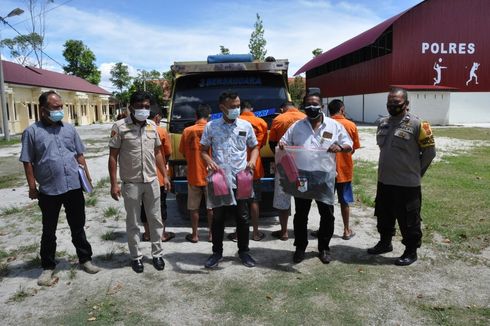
[354, 44]
[18, 74]
[425, 88]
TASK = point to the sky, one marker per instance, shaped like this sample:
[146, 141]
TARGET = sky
[153, 34]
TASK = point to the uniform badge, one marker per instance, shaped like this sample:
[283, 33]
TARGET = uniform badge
[426, 138]
[113, 133]
[327, 135]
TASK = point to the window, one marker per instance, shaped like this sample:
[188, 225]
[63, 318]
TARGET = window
[29, 108]
[382, 46]
[15, 113]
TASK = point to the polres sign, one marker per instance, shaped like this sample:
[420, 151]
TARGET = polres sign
[448, 48]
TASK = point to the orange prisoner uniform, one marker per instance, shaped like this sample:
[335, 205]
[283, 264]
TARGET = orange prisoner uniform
[190, 147]
[345, 166]
[260, 130]
[282, 122]
[165, 148]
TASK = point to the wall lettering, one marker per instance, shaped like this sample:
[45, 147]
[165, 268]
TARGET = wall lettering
[448, 48]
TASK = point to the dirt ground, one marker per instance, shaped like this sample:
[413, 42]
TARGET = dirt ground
[168, 296]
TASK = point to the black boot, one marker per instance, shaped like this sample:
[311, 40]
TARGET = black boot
[409, 257]
[383, 246]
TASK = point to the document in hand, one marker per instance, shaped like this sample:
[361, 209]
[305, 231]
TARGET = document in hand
[84, 182]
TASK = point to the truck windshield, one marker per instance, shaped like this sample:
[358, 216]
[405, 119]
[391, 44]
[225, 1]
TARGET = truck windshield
[266, 92]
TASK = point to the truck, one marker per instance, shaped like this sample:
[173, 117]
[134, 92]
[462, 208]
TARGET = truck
[263, 83]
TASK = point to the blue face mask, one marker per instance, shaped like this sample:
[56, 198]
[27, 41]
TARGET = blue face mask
[233, 113]
[56, 116]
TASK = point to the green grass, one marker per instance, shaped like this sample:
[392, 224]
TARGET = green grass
[34, 262]
[463, 133]
[4, 270]
[112, 212]
[470, 315]
[364, 182]
[13, 141]
[11, 210]
[103, 183]
[20, 295]
[3, 254]
[109, 236]
[91, 201]
[11, 181]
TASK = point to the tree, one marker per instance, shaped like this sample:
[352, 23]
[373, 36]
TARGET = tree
[81, 61]
[37, 13]
[317, 52]
[223, 50]
[151, 82]
[297, 89]
[21, 47]
[257, 41]
[121, 80]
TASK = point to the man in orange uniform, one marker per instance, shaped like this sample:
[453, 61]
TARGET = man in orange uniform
[260, 130]
[156, 115]
[196, 170]
[282, 201]
[345, 166]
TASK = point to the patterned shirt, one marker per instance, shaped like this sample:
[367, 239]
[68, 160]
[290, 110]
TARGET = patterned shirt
[52, 150]
[229, 142]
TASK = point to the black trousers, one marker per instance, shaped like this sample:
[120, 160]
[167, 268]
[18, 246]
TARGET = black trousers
[402, 204]
[163, 207]
[240, 212]
[300, 223]
[74, 204]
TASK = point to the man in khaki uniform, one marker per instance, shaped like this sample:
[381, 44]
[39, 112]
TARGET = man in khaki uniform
[135, 142]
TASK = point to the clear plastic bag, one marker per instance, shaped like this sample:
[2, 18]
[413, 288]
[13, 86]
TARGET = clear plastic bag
[307, 173]
[244, 181]
[219, 190]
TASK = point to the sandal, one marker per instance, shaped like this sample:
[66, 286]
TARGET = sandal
[350, 236]
[145, 237]
[188, 237]
[259, 237]
[168, 236]
[278, 234]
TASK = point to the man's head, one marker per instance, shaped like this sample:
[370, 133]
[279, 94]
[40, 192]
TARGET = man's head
[156, 113]
[139, 105]
[335, 107]
[51, 106]
[246, 106]
[397, 102]
[286, 106]
[312, 104]
[229, 104]
[203, 111]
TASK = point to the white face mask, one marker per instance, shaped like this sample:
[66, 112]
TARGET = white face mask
[141, 114]
[233, 113]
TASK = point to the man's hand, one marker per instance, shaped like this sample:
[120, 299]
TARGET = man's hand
[115, 192]
[33, 193]
[335, 148]
[213, 166]
[166, 184]
[281, 145]
[250, 166]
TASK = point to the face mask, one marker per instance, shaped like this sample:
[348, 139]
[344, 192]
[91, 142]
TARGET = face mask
[233, 113]
[56, 116]
[313, 111]
[141, 114]
[395, 109]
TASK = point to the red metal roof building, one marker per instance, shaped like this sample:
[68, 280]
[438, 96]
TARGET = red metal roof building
[438, 50]
[84, 102]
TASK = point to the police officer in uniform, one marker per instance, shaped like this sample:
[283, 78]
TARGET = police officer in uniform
[407, 149]
[135, 142]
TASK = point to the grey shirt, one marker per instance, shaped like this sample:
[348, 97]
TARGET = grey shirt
[52, 150]
[407, 149]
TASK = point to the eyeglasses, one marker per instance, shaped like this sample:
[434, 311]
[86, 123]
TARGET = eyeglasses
[313, 107]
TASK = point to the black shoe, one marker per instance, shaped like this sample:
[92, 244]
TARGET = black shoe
[408, 258]
[299, 256]
[247, 260]
[325, 256]
[380, 248]
[158, 263]
[213, 260]
[137, 266]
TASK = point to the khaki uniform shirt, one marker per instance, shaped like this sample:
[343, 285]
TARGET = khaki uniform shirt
[406, 150]
[136, 149]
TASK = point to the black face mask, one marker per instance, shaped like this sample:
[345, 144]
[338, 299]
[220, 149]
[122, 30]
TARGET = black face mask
[395, 109]
[313, 111]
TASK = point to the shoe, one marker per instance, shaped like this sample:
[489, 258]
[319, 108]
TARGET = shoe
[168, 236]
[188, 237]
[46, 278]
[299, 256]
[137, 266]
[259, 236]
[278, 234]
[145, 237]
[232, 237]
[247, 260]
[158, 263]
[90, 268]
[380, 248]
[213, 260]
[408, 258]
[349, 236]
[325, 256]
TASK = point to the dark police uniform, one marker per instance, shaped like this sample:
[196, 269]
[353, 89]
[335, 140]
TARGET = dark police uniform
[407, 149]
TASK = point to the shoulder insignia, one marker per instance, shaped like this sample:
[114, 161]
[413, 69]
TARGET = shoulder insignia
[426, 137]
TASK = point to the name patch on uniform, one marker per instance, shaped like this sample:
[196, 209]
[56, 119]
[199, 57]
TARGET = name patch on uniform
[242, 133]
[327, 135]
[406, 128]
[402, 134]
